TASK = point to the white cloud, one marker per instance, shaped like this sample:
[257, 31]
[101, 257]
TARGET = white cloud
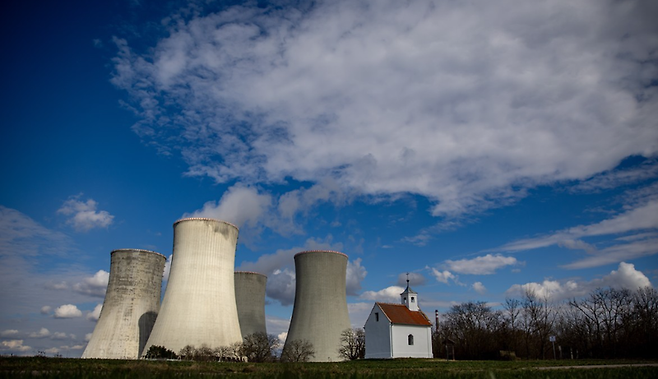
[45, 310]
[252, 209]
[617, 253]
[354, 276]
[67, 311]
[8, 333]
[88, 337]
[626, 276]
[635, 219]
[281, 286]
[96, 313]
[389, 294]
[277, 326]
[616, 178]
[443, 276]
[84, 215]
[282, 337]
[95, 285]
[21, 235]
[359, 313]
[484, 265]
[239, 205]
[60, 336]
[479, 288]
[42, 333]
[445, 100]
[14, 345]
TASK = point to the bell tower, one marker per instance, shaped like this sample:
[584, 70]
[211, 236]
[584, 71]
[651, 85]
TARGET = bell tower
[409, 297]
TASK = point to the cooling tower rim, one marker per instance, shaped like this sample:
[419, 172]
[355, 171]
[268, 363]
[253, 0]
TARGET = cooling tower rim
[205, 219]
[249, 272]
[137, 250]
[321, 251]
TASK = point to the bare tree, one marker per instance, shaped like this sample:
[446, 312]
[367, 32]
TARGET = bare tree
[259, 347]
[538, 319]
[231, 353]
[298, 351]
[475, 328]
[187, 352]
[352, 344]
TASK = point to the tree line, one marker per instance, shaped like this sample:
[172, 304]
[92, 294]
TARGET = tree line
[608, 323]
[262, 347]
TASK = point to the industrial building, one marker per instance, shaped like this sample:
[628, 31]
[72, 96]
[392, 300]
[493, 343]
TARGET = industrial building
[250, 300]
[131, 304]
[199, 305]
[320, 311]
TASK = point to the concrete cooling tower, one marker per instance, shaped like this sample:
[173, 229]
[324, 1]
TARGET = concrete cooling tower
[131, 305]
[320, 312]
[199, 303]
[250, 300]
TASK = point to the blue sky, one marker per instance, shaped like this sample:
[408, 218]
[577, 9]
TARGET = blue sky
[484, 148]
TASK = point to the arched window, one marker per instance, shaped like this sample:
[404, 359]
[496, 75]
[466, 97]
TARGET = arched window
[413, 299]
[410, 339]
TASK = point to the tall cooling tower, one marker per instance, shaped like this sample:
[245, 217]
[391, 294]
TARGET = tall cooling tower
[320, 312]
[131, 305]
[250, 300]
[199, 303]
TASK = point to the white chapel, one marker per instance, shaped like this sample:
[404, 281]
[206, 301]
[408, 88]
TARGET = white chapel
[399, 330]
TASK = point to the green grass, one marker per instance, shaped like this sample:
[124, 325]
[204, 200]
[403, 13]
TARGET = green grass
[34, 367]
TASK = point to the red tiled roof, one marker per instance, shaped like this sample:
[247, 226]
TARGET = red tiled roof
[400, 314]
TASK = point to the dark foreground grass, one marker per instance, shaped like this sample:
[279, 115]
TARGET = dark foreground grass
[15, 367]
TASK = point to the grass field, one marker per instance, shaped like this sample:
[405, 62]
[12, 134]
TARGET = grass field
[36, 367]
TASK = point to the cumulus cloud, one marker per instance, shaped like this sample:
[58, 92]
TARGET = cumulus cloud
[95, 314]
[14, 345]
[46, 309]
[251, 208]
[354, 276]
[281, 286]
[359, 313]
[95, 285]
[479, 288]
[67, 311]
[626, 276]
[389, 294]
[83, 215]
[42, 333]
[8, 333]
[484, 265]
[60, 336]
[239, 205]
[443, 276]
[446, 100]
